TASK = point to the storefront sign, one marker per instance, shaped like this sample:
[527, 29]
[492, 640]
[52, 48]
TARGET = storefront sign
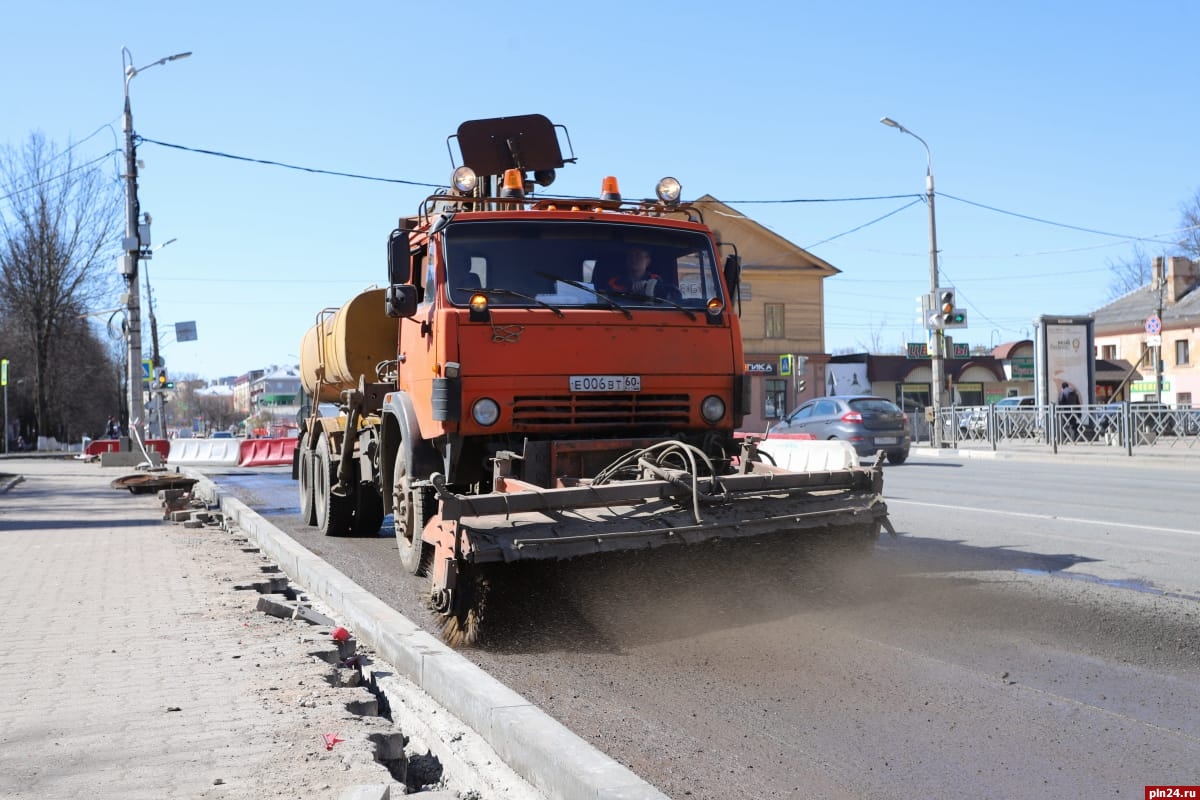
[1022, 368]
[761, 368]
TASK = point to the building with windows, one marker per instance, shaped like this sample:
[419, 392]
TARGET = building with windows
[782, 311]
[1124, 331]
[241, 390]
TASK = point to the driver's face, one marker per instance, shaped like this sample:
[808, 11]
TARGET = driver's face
[639, 261]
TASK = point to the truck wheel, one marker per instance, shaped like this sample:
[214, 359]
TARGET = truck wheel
[304, 474]
[368, 511]
[412, 510]
[333, 513]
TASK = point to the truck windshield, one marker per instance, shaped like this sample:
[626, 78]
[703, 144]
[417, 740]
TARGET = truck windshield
[565, 264]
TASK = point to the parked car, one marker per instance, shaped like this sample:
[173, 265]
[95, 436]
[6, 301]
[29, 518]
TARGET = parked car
[221, 435]
[867, 422]
[1015, 416]
[1151, 417]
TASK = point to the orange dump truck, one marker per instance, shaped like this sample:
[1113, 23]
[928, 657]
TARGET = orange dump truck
[546, 378]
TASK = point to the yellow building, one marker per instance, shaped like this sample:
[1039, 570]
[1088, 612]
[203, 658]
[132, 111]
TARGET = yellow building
[782, 312]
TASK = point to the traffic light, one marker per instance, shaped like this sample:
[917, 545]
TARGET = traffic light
[945, 311]
[163, 382]
[945, 307]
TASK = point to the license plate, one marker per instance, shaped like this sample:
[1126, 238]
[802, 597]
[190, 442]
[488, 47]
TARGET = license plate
[605, 383]
[885, 440]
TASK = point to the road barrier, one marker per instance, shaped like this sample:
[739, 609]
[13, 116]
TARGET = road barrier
[801, 452]
[205, 452]
[98, 446]
[266, 452]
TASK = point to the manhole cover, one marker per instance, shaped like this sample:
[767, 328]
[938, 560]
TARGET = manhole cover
[148, 484]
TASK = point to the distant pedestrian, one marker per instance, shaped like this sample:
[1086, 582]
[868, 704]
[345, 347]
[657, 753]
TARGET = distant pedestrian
[1069, 397]
[112, 429]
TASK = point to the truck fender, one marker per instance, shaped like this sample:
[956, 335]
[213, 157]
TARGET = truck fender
[401, 429]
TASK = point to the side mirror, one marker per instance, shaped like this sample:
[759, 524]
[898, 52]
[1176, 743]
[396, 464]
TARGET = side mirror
[400, 300]
[733, 273]
[399, 258]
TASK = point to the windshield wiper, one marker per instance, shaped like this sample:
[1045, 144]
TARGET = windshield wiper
[608, 301]
[511, 293]
[635, 296]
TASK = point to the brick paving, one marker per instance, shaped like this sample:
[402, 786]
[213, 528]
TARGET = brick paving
[110, 619]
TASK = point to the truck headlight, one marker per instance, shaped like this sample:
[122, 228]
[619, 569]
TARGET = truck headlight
[712, 409]
[486, 411]
[464, 180]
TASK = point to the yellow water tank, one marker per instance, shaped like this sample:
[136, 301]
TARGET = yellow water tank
[347, 344]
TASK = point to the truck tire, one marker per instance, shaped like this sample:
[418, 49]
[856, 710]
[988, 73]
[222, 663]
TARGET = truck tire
[333, 513]
[412, 510]
[304, 477]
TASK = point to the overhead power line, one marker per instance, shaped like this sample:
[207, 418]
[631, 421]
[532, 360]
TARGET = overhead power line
[1051, 222]
[754, 201]
[271, 163]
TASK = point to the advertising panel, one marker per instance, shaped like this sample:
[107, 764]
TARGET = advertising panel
[1067, 352]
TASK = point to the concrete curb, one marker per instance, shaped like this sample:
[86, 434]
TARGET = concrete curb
[535, 745]
[1175, 460]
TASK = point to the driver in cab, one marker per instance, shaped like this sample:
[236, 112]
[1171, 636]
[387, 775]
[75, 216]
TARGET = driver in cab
[637, 278]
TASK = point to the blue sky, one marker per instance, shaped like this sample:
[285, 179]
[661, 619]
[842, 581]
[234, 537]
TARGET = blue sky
[1080, 114]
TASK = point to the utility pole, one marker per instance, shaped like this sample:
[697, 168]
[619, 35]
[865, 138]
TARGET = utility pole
[129, 263]
[158, 429]
[129, 269]
[1158, 362]
[937, 348]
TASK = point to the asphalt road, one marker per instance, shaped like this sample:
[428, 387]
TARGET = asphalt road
[1033, 632]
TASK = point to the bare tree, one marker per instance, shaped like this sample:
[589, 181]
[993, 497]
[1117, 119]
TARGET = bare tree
[874, 342]
[60, 220]
[1132, 272]
[1189, 222]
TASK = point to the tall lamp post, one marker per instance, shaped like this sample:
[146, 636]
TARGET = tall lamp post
[938, 350]
[133, 251]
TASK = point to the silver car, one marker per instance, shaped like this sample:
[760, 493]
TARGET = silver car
[867, 422]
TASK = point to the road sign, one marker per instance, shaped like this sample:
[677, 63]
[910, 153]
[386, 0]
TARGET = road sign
[147, 364]
[1153, 325]
[1153, 341]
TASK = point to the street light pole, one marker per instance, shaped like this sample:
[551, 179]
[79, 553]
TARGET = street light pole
[938, 349]
[133, 251]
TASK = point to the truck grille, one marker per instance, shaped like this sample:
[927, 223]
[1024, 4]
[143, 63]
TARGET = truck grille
[600, 410]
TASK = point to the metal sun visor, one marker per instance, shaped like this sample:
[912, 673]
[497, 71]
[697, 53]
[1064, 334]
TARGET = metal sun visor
[528, 143]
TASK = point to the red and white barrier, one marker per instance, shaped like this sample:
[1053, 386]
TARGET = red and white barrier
[266, 452]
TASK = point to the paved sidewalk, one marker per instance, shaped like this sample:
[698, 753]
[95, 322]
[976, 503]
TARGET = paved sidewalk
[132, 668]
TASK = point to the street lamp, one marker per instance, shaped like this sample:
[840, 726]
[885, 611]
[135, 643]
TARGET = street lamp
[937, 354]
[133, 251]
